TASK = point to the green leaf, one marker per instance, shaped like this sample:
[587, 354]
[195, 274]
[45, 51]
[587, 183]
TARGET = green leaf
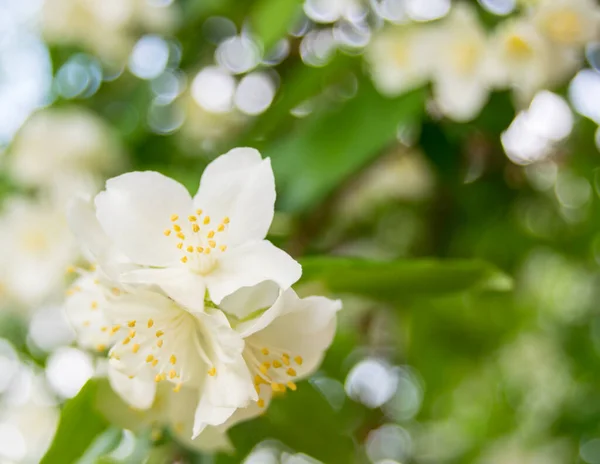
[398, 280]
[271, 19]
[313, 160]
[80, 424]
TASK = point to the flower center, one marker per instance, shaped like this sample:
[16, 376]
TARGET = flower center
[271, 367]
[518, 47]
[564, 26]
[169, 348]
[198, 240]
[465, 57]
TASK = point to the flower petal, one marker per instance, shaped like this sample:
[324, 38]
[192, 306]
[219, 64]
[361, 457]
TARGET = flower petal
[134, 211]
[239, 185]
[184, 287]
[249, 265]
[247, 300]
[138, 393]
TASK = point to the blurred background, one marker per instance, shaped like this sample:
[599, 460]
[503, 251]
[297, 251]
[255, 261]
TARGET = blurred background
[437, 165]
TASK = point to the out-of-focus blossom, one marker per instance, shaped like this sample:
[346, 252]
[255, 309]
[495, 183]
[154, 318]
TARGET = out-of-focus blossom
[65, 148]
[41, 248]
[570, 23]
[213, 242]
[399, 59]
[514, 450]
[108, 28]
[460, 71]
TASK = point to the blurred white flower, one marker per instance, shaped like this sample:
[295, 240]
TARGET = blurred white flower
[66, 148]
[400, 59]
[461, 80]
[38, 249]
[568, 22]
[108, 28]
[156, 224]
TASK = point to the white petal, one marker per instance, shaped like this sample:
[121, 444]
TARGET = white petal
[208, 414]
[85, 226]
[134, 211]
[247, 300]
[239, 185]
[249, 265]
[305, 328]
[460, 99]
[211, 440]
[138, 393]
[186, 288]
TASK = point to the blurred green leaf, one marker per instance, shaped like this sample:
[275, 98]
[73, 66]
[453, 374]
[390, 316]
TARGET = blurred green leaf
[272, 18]
[398, 280]
[311, 162]
[80, 424]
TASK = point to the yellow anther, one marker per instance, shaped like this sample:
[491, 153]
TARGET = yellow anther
[190, 249]
[154, 363]
[184, 259]
[265, 351]
[157, 378]
[172, 374]
[292, 386]
[126, 340]
[174, 217]
[100, 347]
[212, 371]
[149, 358]
[115, 329]
[177, 388]
[131, 323]
[179, 427]
[257, 388]
[150, 323]
[115, 356]
[277, 387]
[71, 270]
[167, 232]
[96, 282]
[131, 333]
[207, 251]
[226, 220]
[103, 328]
[291, 372]
[298, 360]
[135, 348]
[212, 243]
[223, 247]
[211, 234]
[159, 333]
[180, 235]
[176, 227]
[286, 359]
[196, 228]
[276, 364]
[192, 218]
[199, 249]
[261, 403]
[86, 323]
[206, 220]
[173, 359]
[116, 291]
[159, 343]
[264, 367]
[180, 245]
[94, 305]
[221, 228]
[258, 380]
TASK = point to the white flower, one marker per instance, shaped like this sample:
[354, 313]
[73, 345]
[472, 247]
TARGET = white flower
[56, 146]
[568, 22]
[214, 241]
[38, 248]
[461, 81]
[400, 60]
[525, 60]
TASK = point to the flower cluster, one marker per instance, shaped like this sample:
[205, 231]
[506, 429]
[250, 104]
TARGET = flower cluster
[536, 50]
[187, 293]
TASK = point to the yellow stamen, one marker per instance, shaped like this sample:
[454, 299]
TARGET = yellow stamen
[159, 333]
[150, 323]
[154, 363]
[225, 220]
[212, 372]
[100, 347]
[291, 372]
[177, 388]
[167, 232]
[131, 333]
[223, 247]
[212, 243]
[221, 228]
[180, 235]
[126, 340]
[159, 343]
[192, 218]
[135, 348]
[207, 251]
[265, 351]
[157, 378]
[180, 245]
[172, 374]
[174, 217]
[115, 329]
[196, 228]
[199, 249]
[199, 212]
[131, 324]
[190, 249]
[149, 358]
[184, 259]
[292, 386]
[177, 228]
[94, 305]
[276, 364]
[206, 220]
[286, 359]
[211, 234]
[172, 359]
[298, 360]
[103, 328]
[264, 367]
[261, 403]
